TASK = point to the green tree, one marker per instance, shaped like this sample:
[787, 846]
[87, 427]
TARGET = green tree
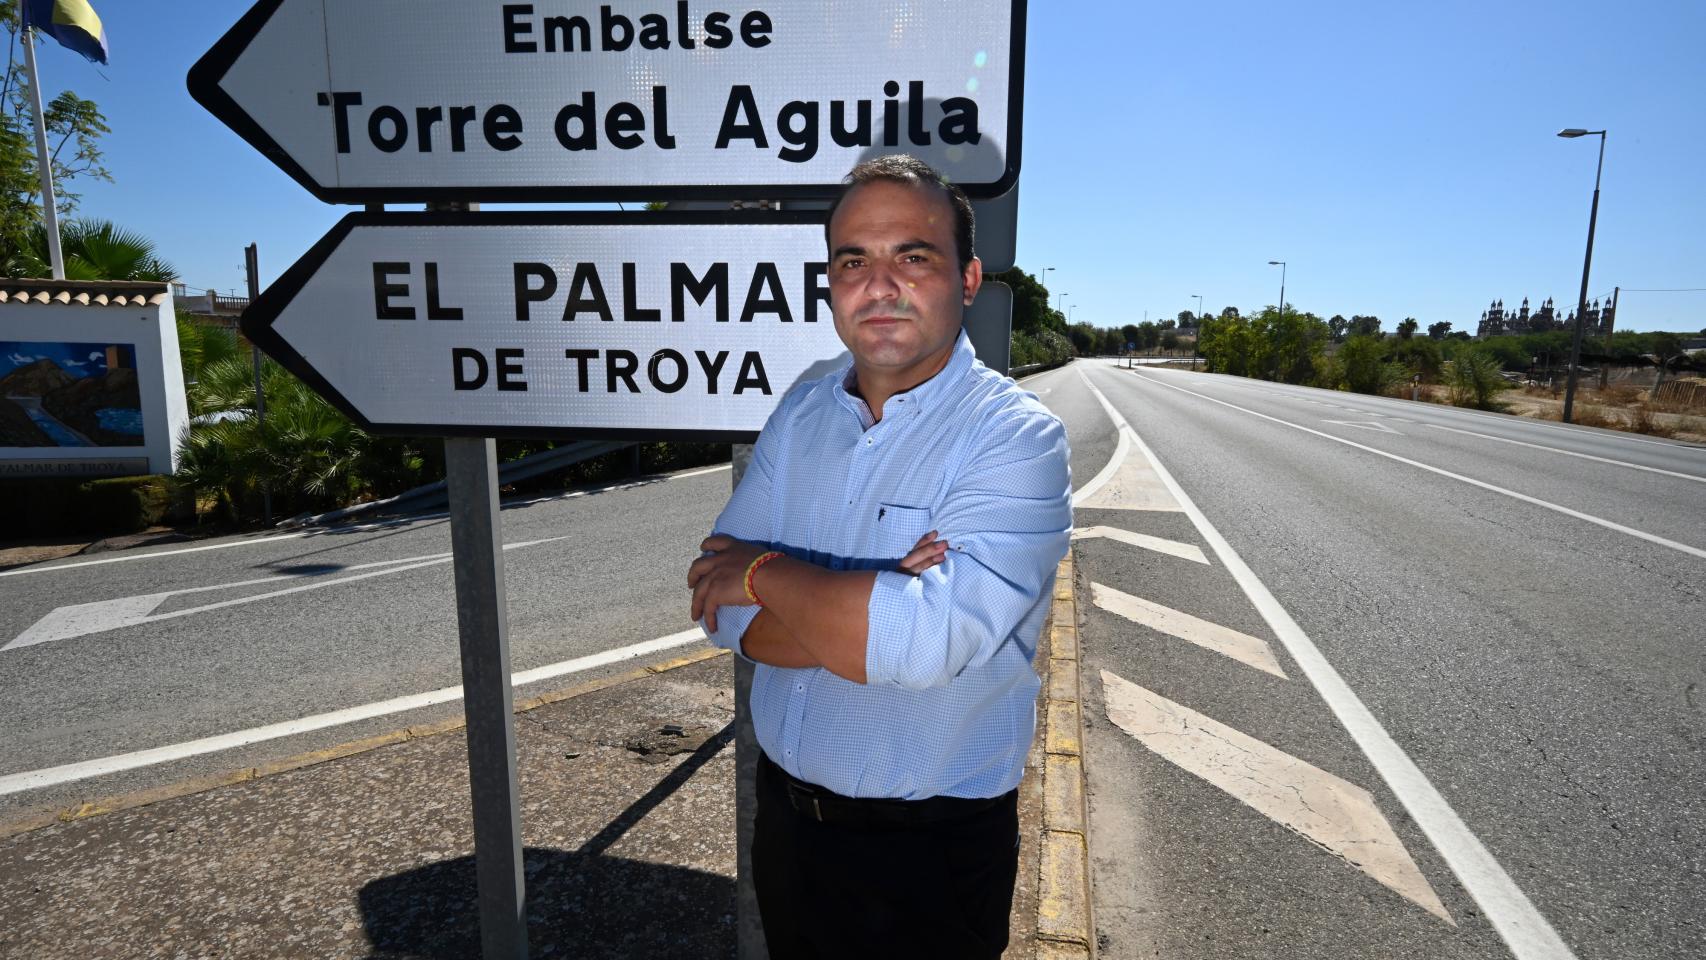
[1366, 326]
[1148, 335]
[1169, 340]
[93, 250]
[1365, 368]
[1338, 325]
[1132, 336]
[74, 130]
[1407, 328]
[1187, 320]
[1031, 311]
[1472, 378]
[1665, 347]
[1438, 331]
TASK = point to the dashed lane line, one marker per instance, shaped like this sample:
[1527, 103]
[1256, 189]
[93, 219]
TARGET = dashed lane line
[1248, 650]
[1494, 488]
[1338, 815]
[1172, 548]
[1518, 922]
[68, 773]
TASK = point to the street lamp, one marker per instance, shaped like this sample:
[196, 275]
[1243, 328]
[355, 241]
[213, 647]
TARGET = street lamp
[1196, 340]
[1042, 278]
[1062, 304]
[1281, 265]
[1587, 262]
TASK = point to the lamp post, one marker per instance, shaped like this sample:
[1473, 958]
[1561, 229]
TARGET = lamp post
[1587, 262]
[1281, 265]
[1062, 304]
[1197, 339]
[1042, 278]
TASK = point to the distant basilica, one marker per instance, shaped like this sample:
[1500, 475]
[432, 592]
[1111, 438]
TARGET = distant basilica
[1496, 321]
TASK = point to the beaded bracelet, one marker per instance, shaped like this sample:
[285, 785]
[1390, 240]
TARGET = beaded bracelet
[752, 569]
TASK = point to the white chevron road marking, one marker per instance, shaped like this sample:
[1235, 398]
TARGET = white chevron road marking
[1335, 814]
[1248, 650]
[82, 619]
[1172, 548]
[1374, 425]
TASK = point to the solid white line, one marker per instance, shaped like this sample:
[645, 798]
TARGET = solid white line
[352, 528]
[1506, 419]
[1570, 453]
[1546, 504]
[51, 776]
[1512, 914]
[1250, 651]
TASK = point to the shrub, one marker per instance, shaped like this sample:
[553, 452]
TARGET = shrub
[1472, 380]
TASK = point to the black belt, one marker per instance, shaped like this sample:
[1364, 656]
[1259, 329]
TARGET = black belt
[827, 806]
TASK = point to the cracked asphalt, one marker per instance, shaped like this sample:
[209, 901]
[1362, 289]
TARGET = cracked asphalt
[1541, 670]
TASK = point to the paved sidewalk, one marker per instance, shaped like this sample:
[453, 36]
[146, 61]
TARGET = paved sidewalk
[627, 810]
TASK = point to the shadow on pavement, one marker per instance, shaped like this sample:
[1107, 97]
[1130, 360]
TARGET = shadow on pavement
[577, 905]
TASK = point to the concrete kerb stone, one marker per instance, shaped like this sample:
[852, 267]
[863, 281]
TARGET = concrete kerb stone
[142, 798]
[1065, 926]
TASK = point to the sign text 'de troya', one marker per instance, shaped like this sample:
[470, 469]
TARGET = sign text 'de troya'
[377, 100]
[581, 324]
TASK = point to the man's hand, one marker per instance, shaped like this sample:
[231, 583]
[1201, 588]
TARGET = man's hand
[926, 553]
[719, 578]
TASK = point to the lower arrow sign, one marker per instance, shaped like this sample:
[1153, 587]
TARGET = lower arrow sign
[645, 326]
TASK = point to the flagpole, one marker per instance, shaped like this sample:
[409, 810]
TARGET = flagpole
[49, 215]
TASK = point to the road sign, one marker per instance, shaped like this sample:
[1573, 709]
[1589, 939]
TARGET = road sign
[395, 100]
[643, 325]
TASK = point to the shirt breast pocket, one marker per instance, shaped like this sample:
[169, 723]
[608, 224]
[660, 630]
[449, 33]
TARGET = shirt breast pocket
[897, 529]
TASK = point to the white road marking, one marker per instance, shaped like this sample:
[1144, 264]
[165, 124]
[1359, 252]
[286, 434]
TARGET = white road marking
[1129, 484]
[64, 623]
[1572, 453]
[1248, 650]
[1506, 419]
[68, 773]
[1374, 425]
[1545, 504]
[353, 528]
[1519, 923]
[1172, 548]
[1339, 816]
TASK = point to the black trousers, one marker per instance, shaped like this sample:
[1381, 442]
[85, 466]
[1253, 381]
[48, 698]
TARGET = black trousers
[842, 888]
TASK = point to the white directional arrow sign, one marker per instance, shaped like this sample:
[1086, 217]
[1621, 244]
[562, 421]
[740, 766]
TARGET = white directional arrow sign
[654, 326]
[392, 100]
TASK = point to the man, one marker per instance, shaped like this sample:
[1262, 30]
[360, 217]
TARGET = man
[895, 694]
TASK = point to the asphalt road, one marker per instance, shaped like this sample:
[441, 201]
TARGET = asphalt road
[1537, 660]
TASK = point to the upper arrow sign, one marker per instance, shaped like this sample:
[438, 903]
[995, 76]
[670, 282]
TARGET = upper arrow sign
[411, 100]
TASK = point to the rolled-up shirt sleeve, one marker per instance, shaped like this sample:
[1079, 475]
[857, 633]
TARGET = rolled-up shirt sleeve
[1008, 523]
[747, 517]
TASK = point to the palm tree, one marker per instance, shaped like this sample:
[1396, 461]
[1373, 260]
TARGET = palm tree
[94, 250]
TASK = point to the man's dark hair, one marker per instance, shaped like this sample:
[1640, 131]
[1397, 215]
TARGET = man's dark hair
[909, 170]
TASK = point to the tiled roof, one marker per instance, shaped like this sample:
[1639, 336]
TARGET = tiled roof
[95, 293]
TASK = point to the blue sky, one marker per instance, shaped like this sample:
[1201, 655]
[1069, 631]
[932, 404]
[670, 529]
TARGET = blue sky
[1400, 158]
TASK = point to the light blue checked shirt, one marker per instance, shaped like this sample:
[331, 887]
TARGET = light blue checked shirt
[949, 707]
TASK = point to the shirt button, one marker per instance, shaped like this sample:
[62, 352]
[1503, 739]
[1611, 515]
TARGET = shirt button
[800, 687]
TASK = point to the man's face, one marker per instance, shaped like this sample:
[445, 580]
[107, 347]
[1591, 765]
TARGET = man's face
[895, 283]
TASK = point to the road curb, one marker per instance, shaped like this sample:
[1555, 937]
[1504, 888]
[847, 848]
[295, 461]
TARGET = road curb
[142, 798]
[1065, 927]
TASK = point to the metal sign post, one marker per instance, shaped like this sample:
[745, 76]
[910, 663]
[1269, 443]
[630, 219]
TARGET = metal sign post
[482, 621]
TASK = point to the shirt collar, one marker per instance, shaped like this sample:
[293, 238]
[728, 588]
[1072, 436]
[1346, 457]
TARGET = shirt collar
[921, 396]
